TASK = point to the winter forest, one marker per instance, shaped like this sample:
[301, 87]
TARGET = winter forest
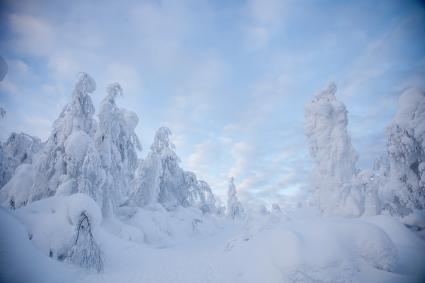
[91, 202]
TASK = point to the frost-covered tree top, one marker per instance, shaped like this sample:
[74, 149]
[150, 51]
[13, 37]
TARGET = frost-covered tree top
[77, 115]
[411, 111]
[114, 90]
[331, 149]
[162, 140]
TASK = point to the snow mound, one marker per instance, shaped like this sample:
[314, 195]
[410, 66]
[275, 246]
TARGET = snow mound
[20, 261]
[415, 219]
[371, 243]
[52, 223]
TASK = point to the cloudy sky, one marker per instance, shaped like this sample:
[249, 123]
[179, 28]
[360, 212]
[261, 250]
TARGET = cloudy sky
[230, 78]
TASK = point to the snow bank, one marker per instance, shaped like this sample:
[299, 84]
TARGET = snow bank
[20, 261]
[314, 250]
[52, 223]
[162, 228]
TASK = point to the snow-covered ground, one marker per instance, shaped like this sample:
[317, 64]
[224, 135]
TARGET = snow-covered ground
[84, 207]
[154, 245]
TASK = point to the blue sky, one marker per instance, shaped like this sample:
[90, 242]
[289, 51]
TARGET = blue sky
[230, 78]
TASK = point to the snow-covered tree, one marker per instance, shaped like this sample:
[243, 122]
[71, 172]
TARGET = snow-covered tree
[368, 183]
[159, 178]
[405, 189]
[22, 147]
[18, 149]
[117, 145]
[234, 207]
[200, 194]
[84, 250]
[69, 162]
[334, 156]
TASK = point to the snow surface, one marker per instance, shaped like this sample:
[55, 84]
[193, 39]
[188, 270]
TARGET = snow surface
[82, 207]
[156, 245]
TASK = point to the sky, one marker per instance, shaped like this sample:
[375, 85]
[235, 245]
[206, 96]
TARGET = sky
[229, 78]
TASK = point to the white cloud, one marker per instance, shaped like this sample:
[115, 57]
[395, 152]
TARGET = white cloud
[264, 18]
[36, 36]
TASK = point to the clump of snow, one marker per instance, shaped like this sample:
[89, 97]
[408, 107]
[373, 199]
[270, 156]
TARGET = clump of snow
[75, 150]
[53, 225]
[131, 119]
[79, 204]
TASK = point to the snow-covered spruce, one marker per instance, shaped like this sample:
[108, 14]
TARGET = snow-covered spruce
[69, 162]
[85, 252]
[160, 179]
[200, 194]
[234, 206]
[334, 156]
[405, 189]
[157, 172]
[18, 149]
[117, 145]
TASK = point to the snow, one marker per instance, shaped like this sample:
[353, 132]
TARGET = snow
[51, 222]
[299, 248]
[256, 249]
[21, 261]
[82, 207]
